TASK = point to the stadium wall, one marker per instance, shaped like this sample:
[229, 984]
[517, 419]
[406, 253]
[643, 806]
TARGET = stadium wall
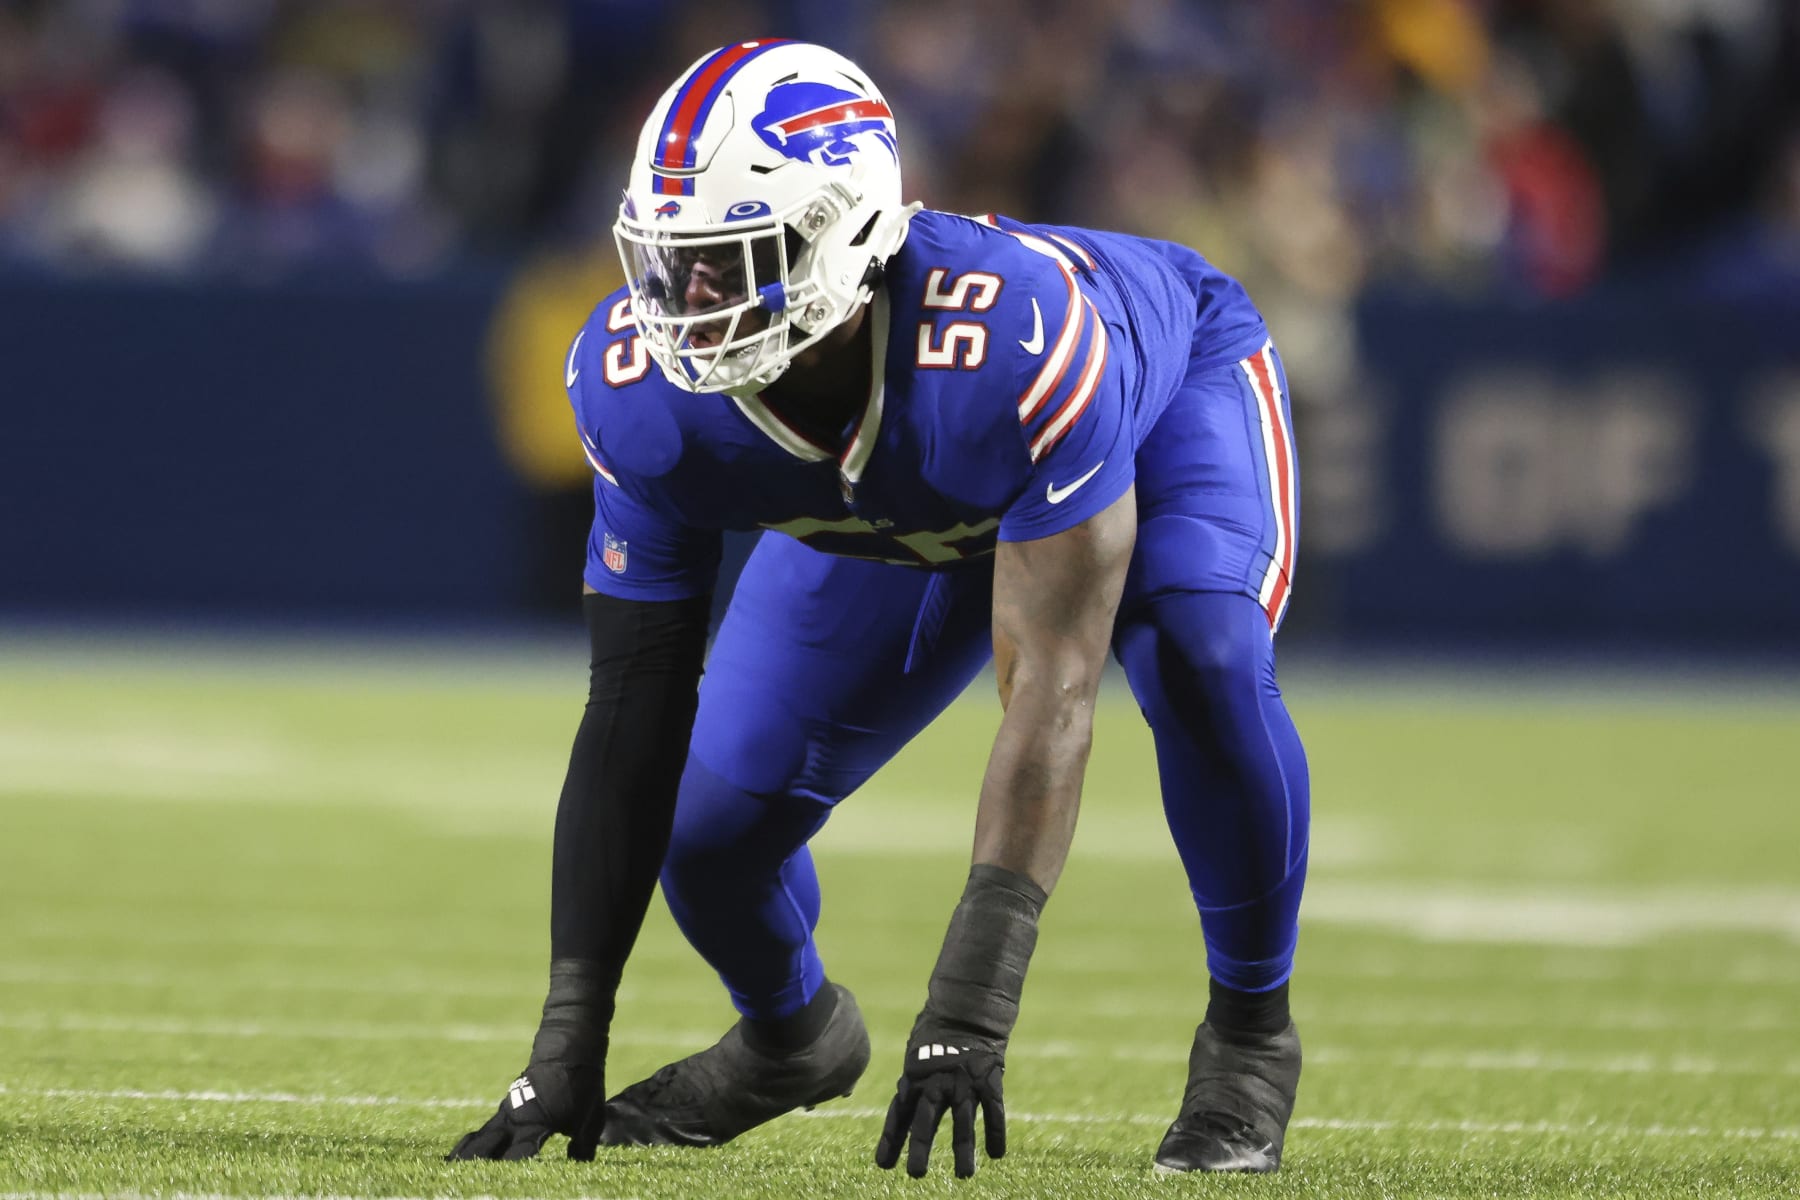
[305, 450]
[1624, 468]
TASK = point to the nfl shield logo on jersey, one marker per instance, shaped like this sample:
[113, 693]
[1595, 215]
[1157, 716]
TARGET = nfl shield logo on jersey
[612, 553]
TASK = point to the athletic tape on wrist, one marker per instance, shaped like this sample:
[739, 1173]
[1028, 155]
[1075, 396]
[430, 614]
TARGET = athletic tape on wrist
[980, 973]
[578, 1013]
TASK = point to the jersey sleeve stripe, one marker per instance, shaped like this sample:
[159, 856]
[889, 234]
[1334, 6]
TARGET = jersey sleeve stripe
[1289, 462]
[1077, 403]
[1053, 250]
[1278, 449]
[1057, 365]
[1081, 256]
[599, 468]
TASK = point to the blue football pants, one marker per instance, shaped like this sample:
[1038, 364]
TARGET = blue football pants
[825, 667]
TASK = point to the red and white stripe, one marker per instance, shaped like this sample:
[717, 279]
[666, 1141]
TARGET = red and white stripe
[1278, 451]
[1084, 391]
[1050, 376]
[1064, 249]
[1081, 255]
[833, 114]
[1081, 322]
[588, 448]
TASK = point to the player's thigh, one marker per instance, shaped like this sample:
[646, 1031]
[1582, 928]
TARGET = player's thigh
[824, 667]
[1218, 490]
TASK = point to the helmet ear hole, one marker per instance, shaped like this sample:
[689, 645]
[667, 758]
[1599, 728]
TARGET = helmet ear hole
[862, 235]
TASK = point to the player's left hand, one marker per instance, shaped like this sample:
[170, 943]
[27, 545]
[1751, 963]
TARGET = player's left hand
[941, 1076]
[547, 1099]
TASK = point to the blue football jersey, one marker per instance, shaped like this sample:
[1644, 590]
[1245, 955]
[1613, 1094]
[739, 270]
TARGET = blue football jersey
[1016, 370]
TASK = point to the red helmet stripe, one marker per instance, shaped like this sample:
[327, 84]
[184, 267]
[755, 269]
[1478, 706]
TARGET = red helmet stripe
[850, 110]
[694, 103]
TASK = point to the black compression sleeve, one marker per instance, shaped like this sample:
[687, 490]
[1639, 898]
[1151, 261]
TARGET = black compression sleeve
[974, 992]
[618, 799]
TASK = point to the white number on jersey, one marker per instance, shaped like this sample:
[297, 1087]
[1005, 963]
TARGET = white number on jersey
[973, 291]
[960, 345]
[968, 337]
[626, 361]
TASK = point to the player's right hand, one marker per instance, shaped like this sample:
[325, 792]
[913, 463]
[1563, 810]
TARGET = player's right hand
[939, 1079]
[546, 1099]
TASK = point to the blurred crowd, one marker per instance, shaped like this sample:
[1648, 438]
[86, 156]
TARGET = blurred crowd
[1312, 146]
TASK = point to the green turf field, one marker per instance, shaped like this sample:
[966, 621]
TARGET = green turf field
[274, 923]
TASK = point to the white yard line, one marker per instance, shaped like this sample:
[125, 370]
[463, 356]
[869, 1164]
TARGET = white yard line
[1760, 1018]
[1553, 914]
[235, 1196]
[1595, 964]
[1539, 1060]
[1465, 1060]
[174, 1096]
[1594, 919]
[1428, 967]
[1460, 1060]
[1113, 1005]
[1518, 1016]
[318, 1031]
[863, 1113]
[240, 979]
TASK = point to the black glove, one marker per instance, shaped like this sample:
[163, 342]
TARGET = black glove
[941, 1077]
[956, 1055]
[563, 1088]
[546, 1099]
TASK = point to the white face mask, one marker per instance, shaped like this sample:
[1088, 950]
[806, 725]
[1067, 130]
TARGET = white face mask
[712, 306]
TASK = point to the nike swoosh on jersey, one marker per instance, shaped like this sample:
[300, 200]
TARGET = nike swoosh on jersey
[1056, 495]
[1035, 343]
[571, 372]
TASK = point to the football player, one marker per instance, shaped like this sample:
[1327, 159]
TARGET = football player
[969, 438]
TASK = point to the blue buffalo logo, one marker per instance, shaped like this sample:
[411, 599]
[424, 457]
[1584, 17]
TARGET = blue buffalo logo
[668, 208]
[817, 123]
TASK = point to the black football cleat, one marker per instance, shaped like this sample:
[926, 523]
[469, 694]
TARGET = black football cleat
[1234, 1114]
[706, 1099]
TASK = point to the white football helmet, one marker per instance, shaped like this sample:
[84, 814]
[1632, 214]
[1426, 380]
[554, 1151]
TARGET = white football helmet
[764, 199]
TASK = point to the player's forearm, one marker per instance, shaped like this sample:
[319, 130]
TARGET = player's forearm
[1054, 603]
[612, 831]
[609, 846]
[618, 796]
[1031, 793]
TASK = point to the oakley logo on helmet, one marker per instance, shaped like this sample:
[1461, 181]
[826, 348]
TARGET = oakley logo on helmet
[745, 209]
[815, 123]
